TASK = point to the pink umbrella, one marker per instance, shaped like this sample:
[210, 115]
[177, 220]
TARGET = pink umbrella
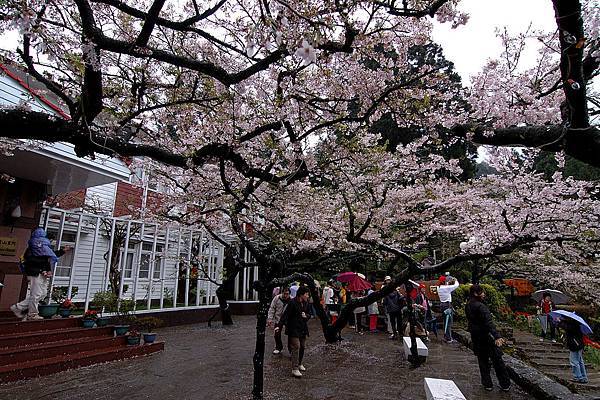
[346, 276]
[358, 284]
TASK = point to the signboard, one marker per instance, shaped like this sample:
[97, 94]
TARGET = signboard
[8, 246]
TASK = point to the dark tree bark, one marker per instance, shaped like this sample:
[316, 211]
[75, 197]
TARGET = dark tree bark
[259, 350]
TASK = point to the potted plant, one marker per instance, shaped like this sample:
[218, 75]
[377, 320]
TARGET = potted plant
[148, 324]
[124, 316]
[65, 308]
[89, 318]
[105, 301]
[133, 337]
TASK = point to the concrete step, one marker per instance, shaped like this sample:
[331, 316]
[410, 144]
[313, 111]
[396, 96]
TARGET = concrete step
[42, 325]
[564, 376]
[555, 364]
[55, 335]
[47, 350]
[47, 366]
[538, 345]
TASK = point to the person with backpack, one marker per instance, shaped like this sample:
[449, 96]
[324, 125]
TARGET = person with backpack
[574, 342]
[38, 263]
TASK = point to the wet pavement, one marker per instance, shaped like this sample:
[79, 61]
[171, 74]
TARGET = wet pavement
[216, 363]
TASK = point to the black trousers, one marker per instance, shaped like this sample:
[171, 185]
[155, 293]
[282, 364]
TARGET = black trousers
[396, 322]
[278, 342]
[489, 354]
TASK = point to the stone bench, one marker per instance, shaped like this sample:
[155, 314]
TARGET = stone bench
[422, 350]
[442, 389]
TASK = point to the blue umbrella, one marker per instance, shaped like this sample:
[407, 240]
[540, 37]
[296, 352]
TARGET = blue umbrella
[585, 328]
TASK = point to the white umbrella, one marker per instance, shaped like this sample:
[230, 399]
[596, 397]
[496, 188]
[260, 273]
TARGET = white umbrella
[558, 297]
[317, 284]
[361, 275]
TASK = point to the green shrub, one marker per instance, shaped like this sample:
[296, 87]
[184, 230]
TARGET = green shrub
[494, 299]
[591, 357]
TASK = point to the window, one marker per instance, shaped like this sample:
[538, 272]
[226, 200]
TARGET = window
[65, 263]
[128, 272]
[157, 266]
[144, 270]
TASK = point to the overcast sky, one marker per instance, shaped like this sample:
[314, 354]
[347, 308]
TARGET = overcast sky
[471, 45]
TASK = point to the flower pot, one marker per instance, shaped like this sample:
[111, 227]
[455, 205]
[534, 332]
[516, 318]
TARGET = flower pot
[149, 337]
[133, 340]
[121, 330]
[88, 323]
[48, 310]
[64, 312]
[102, 321]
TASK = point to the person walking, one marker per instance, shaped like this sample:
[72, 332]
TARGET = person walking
[486, 340]
[445, 294]
[294, 318]
[278, 304]
[393, 307]
[574, 342]
[373, 310]
[545, 307]
[39, 261]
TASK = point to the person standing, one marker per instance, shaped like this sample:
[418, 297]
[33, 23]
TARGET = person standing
[392, 306]
[422, 303]
[445, 294]
[545, 307]
[294, 318]
[39, 263]
[486, 340]
[278, 304]
[358, 314]
[574, 342]
[328, 295]
[386, 281]
[373, 310]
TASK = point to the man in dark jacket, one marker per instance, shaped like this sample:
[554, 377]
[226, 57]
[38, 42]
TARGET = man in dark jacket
[294, 318]
[393, 307]
[486, 340]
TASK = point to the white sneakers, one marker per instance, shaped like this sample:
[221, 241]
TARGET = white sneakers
[18, 313]
[302, 368]
[296, 373]
[276, 351]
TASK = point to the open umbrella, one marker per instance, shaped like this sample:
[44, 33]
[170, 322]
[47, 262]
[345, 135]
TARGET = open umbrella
[345, 276]
[585, 328]
[358, 284]
[558, 297]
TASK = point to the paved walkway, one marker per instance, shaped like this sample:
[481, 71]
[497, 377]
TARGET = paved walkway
[216, 363]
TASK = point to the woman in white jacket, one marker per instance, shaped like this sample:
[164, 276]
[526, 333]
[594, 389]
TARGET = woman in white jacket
[275, 311]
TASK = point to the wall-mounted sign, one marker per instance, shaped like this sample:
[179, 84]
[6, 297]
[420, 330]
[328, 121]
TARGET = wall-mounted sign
[8, 246]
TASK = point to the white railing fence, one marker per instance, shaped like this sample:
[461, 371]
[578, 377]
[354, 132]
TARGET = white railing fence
[160, 266]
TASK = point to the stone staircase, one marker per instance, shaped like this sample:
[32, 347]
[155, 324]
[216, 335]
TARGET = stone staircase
[35, 348]
[552, 359]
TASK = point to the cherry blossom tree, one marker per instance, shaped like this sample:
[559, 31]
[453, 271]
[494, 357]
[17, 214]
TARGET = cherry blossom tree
[266, 117]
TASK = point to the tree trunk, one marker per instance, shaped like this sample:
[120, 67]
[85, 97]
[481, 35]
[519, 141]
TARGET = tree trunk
[224, 306]
[259, 351]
